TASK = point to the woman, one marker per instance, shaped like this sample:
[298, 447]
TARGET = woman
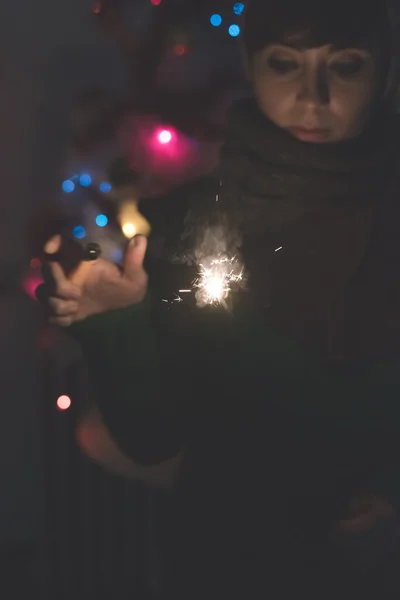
[278, 420]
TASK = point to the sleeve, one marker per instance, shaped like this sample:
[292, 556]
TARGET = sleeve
[384, 383]
[140, 359]
[127, 379]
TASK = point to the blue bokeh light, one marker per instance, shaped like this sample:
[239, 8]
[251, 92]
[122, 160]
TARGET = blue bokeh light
[238, 8]
[105, 187]
[216, 20]
[117, 255]
[234, 30]
[101, 220]
[68, 186]
[85, 180]
[79, 232]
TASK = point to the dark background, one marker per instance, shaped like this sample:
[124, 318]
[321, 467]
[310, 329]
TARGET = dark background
[72, 75]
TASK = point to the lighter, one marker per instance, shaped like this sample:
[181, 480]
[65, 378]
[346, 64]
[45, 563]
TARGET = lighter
[75, 260]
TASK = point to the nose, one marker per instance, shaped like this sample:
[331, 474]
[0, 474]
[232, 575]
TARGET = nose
[314, 90]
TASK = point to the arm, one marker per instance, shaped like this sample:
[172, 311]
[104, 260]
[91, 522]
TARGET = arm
[95, 441]
[136, 416]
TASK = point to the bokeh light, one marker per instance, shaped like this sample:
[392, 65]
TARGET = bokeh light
[101, 220]
[238, 8]
[234, 30]
[116, 255]
[85, 180]
[79, 232]
[155, 2]
[216, 20]
[96, 8]
[165, 136]
[179, 50]
[68, 186]
[35, 263]
[128, 229]
[63, 402]
[31, 282]
[105, 187]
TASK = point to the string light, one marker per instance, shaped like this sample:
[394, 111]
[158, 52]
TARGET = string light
[35, 263]
[216, 20]
[105, 187]
[68, 186]
[234, 30]
[165, 136]
[129, 230]
[79, 232]
[85, 180]
[101, 220]
[63, 402]
[179, 50]
[238, 8]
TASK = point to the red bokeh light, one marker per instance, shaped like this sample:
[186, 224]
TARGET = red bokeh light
[35, 263]
[63, 402]
[96, 9]
[179, 50]
[155, 2]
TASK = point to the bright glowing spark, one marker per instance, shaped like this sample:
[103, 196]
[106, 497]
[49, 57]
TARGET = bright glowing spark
[280, 248]
[215, 282]
[185, 291]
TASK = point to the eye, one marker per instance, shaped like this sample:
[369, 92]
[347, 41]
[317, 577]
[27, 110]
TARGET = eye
[282, 66]
[348, 68]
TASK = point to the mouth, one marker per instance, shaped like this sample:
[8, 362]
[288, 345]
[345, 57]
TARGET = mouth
[309, 135]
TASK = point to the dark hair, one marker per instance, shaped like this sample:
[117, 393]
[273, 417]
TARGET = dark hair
[311, 23]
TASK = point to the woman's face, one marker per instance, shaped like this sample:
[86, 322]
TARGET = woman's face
[319, 94]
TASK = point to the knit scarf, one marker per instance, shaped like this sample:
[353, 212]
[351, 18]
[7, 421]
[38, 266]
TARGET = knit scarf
[320, 228]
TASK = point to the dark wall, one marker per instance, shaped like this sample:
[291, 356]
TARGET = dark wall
[48, 50]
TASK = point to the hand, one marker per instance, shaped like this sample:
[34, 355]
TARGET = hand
[104, 287]
[364, 512]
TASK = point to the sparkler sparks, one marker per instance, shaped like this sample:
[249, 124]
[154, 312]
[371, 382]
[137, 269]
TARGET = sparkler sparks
[216, 280]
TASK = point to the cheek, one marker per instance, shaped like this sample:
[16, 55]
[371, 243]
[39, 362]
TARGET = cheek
[275, 101]
[351, 104]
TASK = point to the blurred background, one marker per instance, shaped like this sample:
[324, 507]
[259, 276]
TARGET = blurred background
[101, 103]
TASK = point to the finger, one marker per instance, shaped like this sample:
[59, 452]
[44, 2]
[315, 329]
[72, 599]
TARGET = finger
[134, 255]
[64, 288]
[78, 277]
[63, 308]
[53, 245]
[61, 321]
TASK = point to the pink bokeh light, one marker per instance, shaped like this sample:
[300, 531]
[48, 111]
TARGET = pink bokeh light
[165, 136]
[162, 153]
[63, 402]
[30, 283]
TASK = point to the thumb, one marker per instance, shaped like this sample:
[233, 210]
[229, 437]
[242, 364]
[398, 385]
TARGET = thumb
[134, 255]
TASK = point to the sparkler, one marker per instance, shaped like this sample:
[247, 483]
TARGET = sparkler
[216, 279]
